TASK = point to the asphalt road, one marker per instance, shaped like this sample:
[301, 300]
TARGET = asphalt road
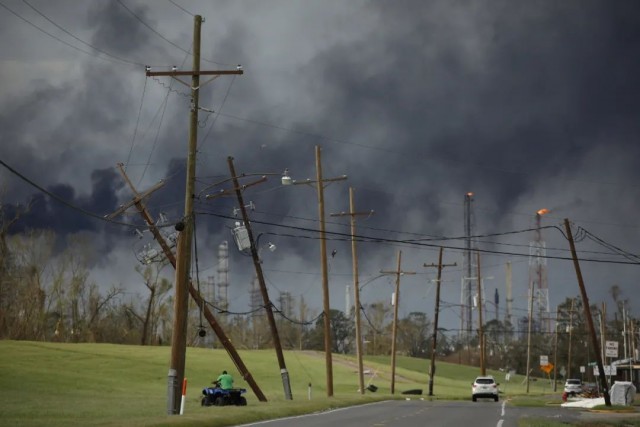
[421, 413]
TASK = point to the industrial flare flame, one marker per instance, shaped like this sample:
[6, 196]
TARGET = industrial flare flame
[543, 211]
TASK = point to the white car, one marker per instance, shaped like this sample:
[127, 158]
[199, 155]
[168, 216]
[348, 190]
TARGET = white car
[573, 386]
[484, 387]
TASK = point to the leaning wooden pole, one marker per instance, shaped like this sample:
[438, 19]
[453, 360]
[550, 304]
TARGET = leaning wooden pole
[268, 305]
[436, 313]
[217, 329]
[587, 313]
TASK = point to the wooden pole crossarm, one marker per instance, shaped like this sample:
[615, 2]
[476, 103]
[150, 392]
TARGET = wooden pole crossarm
[230, 191]
[137, 199]
[371, 212]
[242, 175]
[174, 75]
[193, 73]
[401, 273]
[315, 181]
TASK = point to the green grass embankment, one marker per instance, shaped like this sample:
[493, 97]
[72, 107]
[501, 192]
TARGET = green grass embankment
[56, 384]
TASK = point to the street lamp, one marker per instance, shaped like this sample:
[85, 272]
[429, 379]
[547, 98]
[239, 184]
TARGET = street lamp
[270, 246]
[371, 280]
[319, 184]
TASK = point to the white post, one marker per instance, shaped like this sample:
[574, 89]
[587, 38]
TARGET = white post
[184, 396]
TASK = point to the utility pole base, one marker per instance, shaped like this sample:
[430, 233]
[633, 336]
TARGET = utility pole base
[172, 383]
[285, 383]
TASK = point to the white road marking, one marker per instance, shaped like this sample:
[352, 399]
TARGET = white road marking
[504, 404]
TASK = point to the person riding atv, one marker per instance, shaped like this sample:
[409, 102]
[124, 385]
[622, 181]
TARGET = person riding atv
[225, 381]
[223, 392]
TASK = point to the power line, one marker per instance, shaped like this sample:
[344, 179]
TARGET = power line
[109, 57]
[117, 58]
[162, 107]
[155, 140]
[63, 201]
[342, 236]
[163, 37]
[135, 131]
[44, 31]
[181, 8]
[369, 239]
[442, 238]
[609, 246]
[213, 122]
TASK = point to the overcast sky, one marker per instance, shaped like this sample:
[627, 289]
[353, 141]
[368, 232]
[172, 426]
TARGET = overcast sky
[528, 105]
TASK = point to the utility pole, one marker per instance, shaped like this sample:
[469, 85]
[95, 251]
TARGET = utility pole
[483, 370]
[555, 352]
[587, 313]
[263, 287]
[396, 303]
[173, 395]
[432, 368]
[570, 338]
[603, 329]
[319, 183]
[185, 238]
[356, 287]
[529, 333]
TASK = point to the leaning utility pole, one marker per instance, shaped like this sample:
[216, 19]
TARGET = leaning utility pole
[396, 303]
[587, 313]
[432, 369]
[224, 340]
[356, 287]
[185, 238]
[268, 306]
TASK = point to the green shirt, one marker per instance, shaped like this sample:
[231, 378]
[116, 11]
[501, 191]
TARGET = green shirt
[226, 381]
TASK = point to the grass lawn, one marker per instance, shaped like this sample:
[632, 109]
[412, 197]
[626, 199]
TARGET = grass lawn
[60, 384]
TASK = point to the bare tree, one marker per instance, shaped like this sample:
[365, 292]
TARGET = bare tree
[7, 265]
[26, 315]
[156, 306]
